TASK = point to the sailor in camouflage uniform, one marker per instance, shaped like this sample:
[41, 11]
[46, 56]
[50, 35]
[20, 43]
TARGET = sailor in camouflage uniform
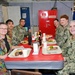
[62, 31]
[58, 29]
[19, 32]
[56, 23]
[69, 47]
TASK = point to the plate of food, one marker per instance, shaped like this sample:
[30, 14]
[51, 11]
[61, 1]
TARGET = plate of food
[24, 42]
[51, 41]
[48, 36]
[20, 53]
[51, 50]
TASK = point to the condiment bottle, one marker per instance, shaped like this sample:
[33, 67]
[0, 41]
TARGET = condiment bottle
[29, 38]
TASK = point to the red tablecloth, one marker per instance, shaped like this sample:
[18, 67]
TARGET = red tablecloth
[40, 61]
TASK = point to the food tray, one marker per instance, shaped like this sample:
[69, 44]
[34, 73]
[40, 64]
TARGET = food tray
[24, 52]
[51, 41]
[52, 51]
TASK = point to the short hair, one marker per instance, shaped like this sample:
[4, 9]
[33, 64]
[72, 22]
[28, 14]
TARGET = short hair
[72, 21]
[21, 19]
[64, 16]
[56, 19]
[9, 20]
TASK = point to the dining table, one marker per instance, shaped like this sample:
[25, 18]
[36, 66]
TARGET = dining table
[35, 61]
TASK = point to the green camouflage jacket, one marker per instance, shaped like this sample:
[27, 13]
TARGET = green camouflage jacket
[69, 53]
[57, 32]
[69, 48]
[62, 35]
[18, 34]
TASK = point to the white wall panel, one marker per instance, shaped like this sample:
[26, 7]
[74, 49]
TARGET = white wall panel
[1, 14]
[14, 14]
[5, 13]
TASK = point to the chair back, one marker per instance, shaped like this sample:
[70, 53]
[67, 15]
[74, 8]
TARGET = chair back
[23, 72]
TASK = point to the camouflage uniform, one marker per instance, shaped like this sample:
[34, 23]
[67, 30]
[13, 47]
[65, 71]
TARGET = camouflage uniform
[18, 34]
[62, 35]
[69, 66]
[57, 32]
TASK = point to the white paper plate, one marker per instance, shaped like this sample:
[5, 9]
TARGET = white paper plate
[46, 51]
[25, 53]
